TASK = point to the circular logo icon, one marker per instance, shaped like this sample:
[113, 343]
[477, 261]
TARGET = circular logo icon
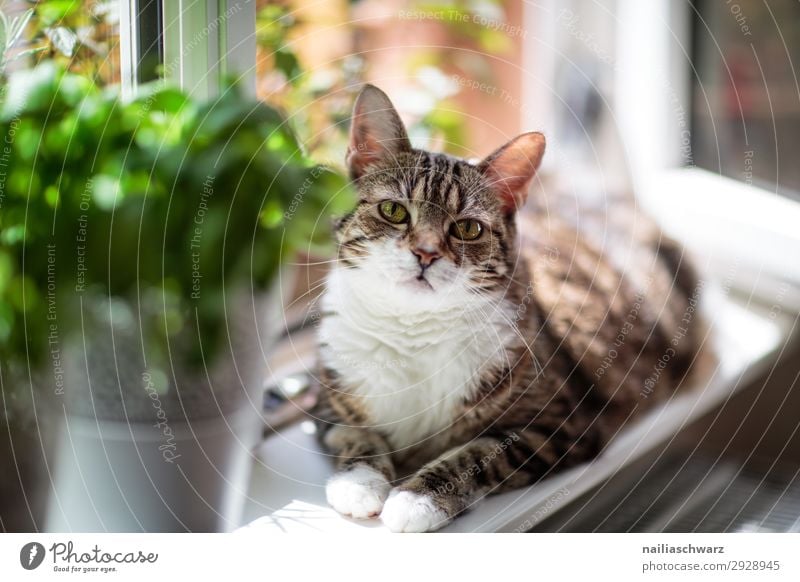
[31, 555]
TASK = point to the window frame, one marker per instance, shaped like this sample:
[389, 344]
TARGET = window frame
[204, 42]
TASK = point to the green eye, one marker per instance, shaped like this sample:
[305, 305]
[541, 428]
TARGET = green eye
[466, 229]
[393, 212]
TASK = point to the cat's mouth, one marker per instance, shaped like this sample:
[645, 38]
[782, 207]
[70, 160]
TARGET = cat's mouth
[420, 282]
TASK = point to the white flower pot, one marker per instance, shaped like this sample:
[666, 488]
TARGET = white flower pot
[138, 460]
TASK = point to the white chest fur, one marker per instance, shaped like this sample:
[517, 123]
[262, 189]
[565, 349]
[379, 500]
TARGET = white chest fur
[411, 360]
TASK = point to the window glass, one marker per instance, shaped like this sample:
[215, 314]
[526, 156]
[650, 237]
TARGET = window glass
[745, 95]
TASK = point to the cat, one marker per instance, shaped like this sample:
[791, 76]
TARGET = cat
[465, 351]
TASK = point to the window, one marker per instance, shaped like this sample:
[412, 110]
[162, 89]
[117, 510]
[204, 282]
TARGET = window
[745, 106]
[193, 43]
[661, 86]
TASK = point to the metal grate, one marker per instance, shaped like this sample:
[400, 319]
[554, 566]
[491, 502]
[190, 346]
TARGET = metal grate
[694, 495]
[752, 501]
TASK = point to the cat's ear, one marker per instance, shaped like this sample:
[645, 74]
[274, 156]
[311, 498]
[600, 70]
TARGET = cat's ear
[377, 133]
[511, 168]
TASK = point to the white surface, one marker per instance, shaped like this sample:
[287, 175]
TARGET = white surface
[727, 224]
[287, 489]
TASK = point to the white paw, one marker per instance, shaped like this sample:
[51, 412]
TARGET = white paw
[405, 511]
[358, 492]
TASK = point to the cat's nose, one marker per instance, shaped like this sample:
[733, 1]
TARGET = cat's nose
[426, 255]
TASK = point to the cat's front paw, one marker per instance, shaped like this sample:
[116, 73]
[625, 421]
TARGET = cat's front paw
[358, 492]
[406, 511]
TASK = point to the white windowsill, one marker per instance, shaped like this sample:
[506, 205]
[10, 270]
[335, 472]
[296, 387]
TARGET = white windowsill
[747, 236]
[287, 487]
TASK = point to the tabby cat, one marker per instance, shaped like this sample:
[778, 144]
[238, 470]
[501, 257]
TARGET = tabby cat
[465, 351]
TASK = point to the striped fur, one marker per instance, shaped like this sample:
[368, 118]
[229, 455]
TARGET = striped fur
[517, 356]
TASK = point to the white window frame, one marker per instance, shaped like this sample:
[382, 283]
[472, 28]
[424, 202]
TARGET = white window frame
[204, 41]
[745, 233]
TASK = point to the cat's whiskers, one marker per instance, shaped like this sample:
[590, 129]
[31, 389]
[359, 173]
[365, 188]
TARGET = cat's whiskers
[479, 324]
[507, 277]
[311, 290]
[498, 405]
[335, 261]
[486, 401]
[514, 328]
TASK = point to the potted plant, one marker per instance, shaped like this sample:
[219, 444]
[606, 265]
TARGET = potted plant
[140, 253]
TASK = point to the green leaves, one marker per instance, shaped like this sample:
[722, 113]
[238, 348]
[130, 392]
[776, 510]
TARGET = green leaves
[51, 12]
[158, 197]
[272, 29]
[36, 90]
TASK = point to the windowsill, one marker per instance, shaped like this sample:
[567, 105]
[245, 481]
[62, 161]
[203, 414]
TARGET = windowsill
[745, 235]
[287, 485]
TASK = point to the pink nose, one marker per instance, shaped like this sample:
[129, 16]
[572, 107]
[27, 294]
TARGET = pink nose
[426, 256]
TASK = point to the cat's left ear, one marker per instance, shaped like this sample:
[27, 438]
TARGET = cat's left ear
[511, 168]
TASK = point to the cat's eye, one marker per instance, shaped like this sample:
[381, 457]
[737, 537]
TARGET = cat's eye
[466, 229]
[393, 212]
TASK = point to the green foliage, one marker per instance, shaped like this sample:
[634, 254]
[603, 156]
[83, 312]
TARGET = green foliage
[273, 24]
[318, 95]
[163, 202]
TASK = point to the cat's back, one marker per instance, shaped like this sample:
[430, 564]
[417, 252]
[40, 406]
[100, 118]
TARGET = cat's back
[621, 304]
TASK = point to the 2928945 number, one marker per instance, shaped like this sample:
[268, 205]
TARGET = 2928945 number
[754, 565]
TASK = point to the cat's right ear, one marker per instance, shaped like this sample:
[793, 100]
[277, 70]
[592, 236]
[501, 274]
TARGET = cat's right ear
[377, 133]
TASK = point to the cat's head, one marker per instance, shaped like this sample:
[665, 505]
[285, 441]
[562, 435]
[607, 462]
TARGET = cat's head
[431, 227]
